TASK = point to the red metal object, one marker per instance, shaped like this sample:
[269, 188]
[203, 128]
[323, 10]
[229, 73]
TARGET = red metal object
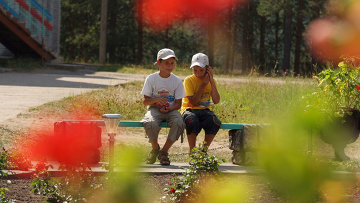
[77, 142]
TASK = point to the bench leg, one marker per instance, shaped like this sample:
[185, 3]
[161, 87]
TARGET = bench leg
[236, 138]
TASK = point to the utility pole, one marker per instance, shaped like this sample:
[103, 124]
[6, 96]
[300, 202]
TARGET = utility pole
[103, 27]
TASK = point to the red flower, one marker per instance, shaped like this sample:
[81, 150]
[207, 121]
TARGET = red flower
[358, 87]
[172, 190]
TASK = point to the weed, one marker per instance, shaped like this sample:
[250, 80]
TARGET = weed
[201, 165]
[76, 186]
[3, 197]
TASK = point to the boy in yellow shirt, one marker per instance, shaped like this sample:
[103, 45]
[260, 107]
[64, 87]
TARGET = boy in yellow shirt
[200, 89]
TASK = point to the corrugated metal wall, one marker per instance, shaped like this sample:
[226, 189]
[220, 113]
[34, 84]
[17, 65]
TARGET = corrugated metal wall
[52, 41]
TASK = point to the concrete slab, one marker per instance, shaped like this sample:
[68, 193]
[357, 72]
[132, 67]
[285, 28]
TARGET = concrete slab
[174, 168]
[21, 91]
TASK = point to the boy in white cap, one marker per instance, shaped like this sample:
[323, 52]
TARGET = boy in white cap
[200, 89]
[163, 92]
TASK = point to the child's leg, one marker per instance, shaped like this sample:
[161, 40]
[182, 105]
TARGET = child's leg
[151, 121]
[208, 139]
[191, 140]
[193, 128]
[176, 125]
[167, 145]
[211, 125]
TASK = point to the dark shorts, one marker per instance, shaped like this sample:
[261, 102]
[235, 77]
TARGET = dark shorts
[197, 119]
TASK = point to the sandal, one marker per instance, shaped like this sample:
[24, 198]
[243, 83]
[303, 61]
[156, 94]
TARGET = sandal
[164, 159]
[152, 156]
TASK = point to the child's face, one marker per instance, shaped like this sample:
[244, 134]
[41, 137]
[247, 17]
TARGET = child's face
[167, 65]
[199, 72]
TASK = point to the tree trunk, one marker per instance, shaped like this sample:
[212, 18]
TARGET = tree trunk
[211, 38]
[262, 44]
[299, 36]
[314, 61]
[229, 41]
[103, 28]
[277, 22]
[287, 37]
[140, 36]
[245, 40]
[112, 31]
[250, 34]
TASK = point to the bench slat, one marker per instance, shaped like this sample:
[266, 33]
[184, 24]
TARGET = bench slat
[165, 125]
[231, 126]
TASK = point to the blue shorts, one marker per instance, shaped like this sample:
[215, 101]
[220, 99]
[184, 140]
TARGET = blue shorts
[197, 119]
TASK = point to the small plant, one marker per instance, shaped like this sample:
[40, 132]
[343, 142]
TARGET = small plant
[185, 187]
[342, 86]
[349, 165]
[3, 197]
[76, 186]
[44, 185]
[3, 164]
[14, 161]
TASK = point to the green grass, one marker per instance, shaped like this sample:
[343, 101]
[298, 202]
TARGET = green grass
[180, 69]
[21, 64]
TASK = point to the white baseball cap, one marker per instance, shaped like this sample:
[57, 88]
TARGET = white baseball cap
[199, 59]
[165, 54]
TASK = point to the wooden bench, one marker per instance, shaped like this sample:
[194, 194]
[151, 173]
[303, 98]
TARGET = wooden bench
[236, 134]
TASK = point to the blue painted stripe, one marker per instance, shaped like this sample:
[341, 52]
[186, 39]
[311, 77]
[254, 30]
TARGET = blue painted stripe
[38, 6]
[12, 11]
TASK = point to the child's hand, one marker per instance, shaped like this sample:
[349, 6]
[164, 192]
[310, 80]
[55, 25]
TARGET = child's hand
[164, 109]
[161, 101]
[206, 79]
[210, 72]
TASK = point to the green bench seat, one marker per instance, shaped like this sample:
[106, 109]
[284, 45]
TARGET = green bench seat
[231, 126]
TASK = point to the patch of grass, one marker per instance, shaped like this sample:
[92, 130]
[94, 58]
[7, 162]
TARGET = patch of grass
[258, 102]
[21, 64]
[180, 69]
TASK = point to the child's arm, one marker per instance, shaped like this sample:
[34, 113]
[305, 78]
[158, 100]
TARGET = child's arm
[148, 101]
[176, 106]
[214, 92]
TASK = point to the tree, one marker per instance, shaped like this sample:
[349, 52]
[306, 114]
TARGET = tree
[103, 30]
[299, 35]
[287, 35]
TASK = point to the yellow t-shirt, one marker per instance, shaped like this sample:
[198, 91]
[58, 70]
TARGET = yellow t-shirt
[191, 85]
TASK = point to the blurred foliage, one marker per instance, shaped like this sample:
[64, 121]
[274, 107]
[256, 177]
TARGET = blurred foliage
[126, 185]
[286, 157]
